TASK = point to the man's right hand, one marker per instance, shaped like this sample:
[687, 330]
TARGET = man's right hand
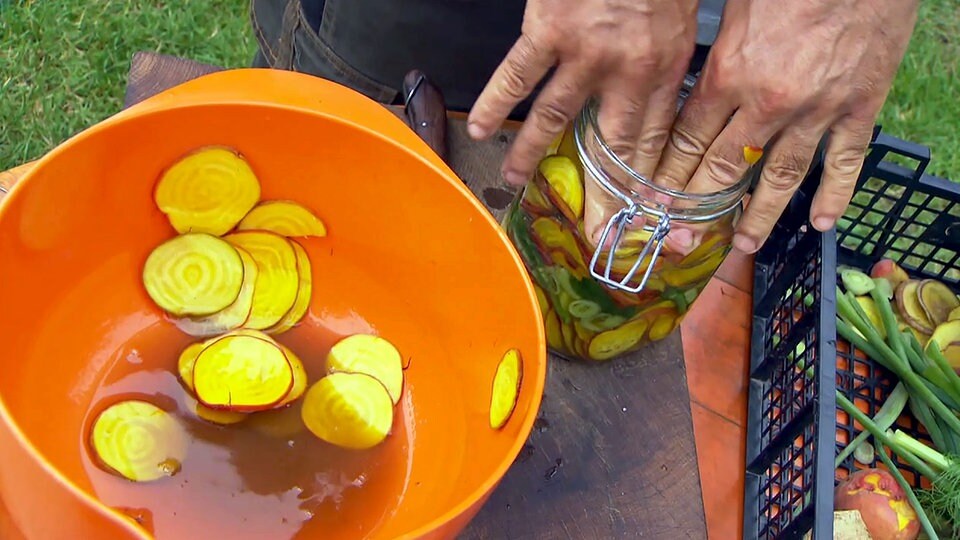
[631, 54]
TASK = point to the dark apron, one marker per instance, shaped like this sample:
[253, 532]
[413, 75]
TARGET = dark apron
[369, 45]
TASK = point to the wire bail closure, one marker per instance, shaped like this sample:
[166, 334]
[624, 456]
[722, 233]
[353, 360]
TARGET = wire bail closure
[620, 220]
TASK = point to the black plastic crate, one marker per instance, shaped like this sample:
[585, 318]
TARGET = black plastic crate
[794, 429]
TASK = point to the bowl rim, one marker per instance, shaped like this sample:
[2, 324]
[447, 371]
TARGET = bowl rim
[165, 102]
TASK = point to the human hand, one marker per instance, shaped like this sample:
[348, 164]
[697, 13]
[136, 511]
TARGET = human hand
[788, 73]
[632, 54]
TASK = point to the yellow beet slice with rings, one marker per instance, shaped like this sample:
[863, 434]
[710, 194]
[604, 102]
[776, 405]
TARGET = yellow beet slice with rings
[232, 316]
[139, 441]
[553, 331]
[304, 293]
[278, 280]
[611, 343]
[214, 416]
[280, 423]
[565, 184]
[349, 410]
[209, 190]
[506, 388]
[188, 357]
[299, 385]
[371, 355]
[241, 372]
[194, 274]
[286, 218]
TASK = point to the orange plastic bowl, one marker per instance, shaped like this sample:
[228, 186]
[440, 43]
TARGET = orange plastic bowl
[410, 254]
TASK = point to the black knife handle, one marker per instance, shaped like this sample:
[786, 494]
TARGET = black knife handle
[426, 111]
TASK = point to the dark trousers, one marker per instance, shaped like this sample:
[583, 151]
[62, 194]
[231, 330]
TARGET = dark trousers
[369, 45]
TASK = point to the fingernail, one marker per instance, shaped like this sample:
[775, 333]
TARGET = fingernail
[744, 243]
[680, 240]
[514, 178]
[476, 131]
[823, 223]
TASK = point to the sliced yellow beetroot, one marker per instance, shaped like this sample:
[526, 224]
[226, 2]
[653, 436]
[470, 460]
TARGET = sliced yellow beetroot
[139, 441]
[281, 423]
[611, 343]
[241, 372]
[506, 388]
[566, 186]
[908, 304]
[188, 357]
[370, 355]
[954, 315]
[231, 317]
[304, 293]
[299, 385]
[223, 418]
[947, 336]
[937, 300]
[278, 279]
[209, 190]
[350, 410]
[286, 218]
[193, 275]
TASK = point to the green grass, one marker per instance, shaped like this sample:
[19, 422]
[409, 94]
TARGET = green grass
[63, 65]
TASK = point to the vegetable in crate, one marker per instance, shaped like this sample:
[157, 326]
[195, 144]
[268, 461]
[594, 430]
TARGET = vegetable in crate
[882, 504]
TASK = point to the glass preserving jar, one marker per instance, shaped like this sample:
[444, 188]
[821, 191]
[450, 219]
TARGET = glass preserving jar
[632, 280]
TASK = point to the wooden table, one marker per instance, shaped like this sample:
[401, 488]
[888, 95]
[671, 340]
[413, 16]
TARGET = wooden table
[617, 447]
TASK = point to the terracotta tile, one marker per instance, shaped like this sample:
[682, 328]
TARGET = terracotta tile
[737, 270]
[716, 350]
[721, 452]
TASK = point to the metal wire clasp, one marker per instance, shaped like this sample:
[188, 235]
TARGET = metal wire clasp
[621, 219]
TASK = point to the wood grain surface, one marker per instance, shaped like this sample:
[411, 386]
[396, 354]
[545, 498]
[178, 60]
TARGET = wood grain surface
[612, 454]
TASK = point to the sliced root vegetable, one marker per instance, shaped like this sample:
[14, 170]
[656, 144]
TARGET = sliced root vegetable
[304, 293]
[954, 315]
[681, 277]
[663, 326]
[209, 190]
[223, 418]
[370, 355]
[350, 410]
[550, 235]
[947, 336]
[870, 308]
[278, 280]
[583, 334]
[908, 304]
[231, 317]
[937, 300]
[506, 388]
[603, 321]
[139, 441]
[193, 274]
[568, 333]
[281, 423]
[709, 243]
[553, 331]
[565, 185]
[541, 300]
[242, 373]
[615, 342]
[299, 385]
[188, 357]
[534, 200]
[286, 218]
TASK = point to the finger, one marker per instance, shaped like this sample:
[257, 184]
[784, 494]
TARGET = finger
[727, 159]
[846, 148]
[514, 79]
[550, 114]
[787, 163]
[652, 139]
[698, 123]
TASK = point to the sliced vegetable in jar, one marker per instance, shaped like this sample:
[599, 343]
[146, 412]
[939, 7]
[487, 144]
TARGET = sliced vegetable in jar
[566, 186]
[286, 218]
[550, 235]
[349, 410]
[207, 191]
[278, 281]
[139, 441]
[304, 293]
[371, 355]
[618, 341]
[507, 380]
[193, 274]
[553, 331]
[232, 316]
[242, 373]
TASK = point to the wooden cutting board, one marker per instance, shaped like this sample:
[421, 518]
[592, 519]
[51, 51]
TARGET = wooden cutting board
[612, 454]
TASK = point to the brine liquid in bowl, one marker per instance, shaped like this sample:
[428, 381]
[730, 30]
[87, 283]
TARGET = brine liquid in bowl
[266, 476]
